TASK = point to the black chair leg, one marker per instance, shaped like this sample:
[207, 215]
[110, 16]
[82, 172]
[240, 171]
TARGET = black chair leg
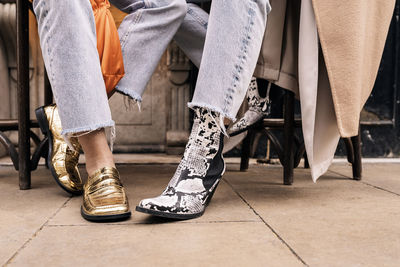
[349, 149]
[288, 132]
[24, 152]
[357, 164]
[306, 162]
[246, 149]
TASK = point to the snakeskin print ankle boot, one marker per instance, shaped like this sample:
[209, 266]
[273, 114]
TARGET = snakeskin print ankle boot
[197, 176]
[259, 108]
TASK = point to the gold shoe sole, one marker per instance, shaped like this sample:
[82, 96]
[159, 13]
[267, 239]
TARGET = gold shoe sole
[106, 218]
[45, 128]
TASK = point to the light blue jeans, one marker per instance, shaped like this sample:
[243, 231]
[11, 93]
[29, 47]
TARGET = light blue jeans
[228, 53]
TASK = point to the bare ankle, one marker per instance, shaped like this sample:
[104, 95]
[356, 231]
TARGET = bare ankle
[97, 152]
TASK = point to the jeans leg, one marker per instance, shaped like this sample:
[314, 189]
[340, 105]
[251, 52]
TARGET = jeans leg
[145, 34]
[191, 35]
[233, 42]
[69, 47]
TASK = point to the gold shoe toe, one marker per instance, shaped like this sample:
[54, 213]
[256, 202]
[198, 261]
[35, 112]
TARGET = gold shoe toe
[104, 197]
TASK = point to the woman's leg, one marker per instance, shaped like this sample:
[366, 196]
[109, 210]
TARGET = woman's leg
[69, 47]
[234, 37]
[191, 35]
[233, 42]
[145, 34]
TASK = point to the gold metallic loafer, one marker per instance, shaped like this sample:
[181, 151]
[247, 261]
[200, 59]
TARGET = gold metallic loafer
[62, 161]
[104, 197]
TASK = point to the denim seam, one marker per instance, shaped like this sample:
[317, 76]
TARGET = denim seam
[148, 4]
[202, 22]
[134, 22]
[228, 100]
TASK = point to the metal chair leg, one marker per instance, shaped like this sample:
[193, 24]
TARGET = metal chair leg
[23, 95]
[349, 149]
[288, 133]
[246, 149]
[357, 164]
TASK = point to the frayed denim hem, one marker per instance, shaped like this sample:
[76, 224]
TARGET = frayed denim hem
[222, 114]
[132, 97]
[80, 131]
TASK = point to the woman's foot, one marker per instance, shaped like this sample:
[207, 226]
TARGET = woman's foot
[104, 198]
[199, 172]
[259, 108]
[62, 161]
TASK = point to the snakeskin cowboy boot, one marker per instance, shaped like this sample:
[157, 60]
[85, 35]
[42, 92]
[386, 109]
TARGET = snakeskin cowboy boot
[197, 176]
[259, 108]
[62, 161]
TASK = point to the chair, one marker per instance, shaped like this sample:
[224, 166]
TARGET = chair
[22, 159]
[292, 150]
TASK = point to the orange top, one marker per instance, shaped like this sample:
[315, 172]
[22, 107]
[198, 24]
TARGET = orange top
[108, 45]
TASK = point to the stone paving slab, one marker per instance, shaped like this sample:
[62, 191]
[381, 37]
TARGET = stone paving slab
[171, 244]
[335, 222]
[382, 175]
[253, 220]
[22, 213]
[149, 181]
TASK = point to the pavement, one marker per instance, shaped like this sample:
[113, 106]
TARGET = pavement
[253, 220]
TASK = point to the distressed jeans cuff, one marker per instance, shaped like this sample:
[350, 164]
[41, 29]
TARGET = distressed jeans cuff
[221, 113]
[80, 131]
[132, 97]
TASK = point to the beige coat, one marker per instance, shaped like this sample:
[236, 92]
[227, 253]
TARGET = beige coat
[352, 36]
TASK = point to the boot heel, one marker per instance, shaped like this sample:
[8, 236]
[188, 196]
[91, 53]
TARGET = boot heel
[212, 194]
[42, 120]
